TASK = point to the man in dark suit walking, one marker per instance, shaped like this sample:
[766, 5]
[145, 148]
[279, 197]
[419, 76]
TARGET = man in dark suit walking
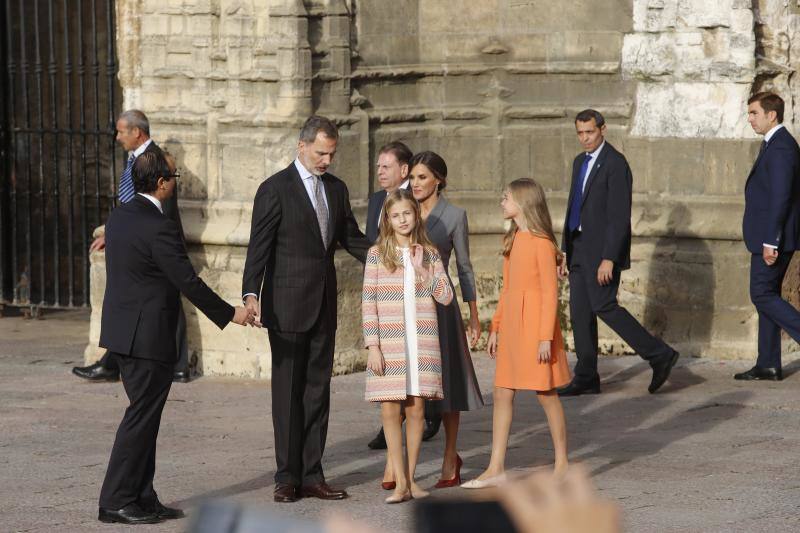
[146, 268]
[597, 244]
[299, 215]
[133, 134]
[771, 229]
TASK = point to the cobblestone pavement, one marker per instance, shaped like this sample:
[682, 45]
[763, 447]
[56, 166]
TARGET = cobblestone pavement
[707, 454]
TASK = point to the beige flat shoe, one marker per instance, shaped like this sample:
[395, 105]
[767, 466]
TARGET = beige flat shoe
[489, 482]
[398, 499]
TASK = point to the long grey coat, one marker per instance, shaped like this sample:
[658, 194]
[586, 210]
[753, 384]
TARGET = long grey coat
[447, 228]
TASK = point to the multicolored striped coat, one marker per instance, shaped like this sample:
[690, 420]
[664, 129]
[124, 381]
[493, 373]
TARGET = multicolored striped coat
[384, 326]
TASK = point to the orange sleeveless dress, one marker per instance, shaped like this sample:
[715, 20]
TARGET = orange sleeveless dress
[526, 314]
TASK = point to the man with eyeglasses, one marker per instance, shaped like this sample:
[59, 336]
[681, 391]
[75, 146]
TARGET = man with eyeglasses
[133, 134]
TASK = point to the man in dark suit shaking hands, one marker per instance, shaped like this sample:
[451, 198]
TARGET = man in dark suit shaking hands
[146, 268]
[771, 228]
[597, 243]
[300, 214]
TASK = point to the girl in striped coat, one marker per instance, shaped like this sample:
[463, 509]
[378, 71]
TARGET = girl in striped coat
[403, 279]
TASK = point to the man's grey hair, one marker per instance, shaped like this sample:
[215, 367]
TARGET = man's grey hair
[136, 119]
[315, 124]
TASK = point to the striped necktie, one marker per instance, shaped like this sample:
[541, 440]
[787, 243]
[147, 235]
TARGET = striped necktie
[321, 209]
[126, 191]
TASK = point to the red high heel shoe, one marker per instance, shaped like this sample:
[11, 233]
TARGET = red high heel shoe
[388, 485]
[456, 481]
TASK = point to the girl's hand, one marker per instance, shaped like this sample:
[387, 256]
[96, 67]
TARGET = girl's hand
[473, 330]
[375, 361]
[417, 256]
[491, 346]
[544, 351]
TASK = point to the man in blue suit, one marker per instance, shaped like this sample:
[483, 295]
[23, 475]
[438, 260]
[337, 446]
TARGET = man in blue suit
[771, 229]
[392, 171]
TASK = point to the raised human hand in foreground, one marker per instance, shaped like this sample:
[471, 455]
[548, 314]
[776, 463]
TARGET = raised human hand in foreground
[546, 503]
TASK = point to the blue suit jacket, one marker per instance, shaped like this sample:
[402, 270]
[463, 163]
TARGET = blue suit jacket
[772, 196]
[376, 201]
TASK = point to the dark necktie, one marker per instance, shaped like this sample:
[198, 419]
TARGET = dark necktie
[763, 147]
[321, 209]
[126, 191]
[577, 197]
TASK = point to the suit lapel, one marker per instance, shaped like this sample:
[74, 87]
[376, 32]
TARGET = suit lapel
[601, 159]
[435, 216]
[304, 202]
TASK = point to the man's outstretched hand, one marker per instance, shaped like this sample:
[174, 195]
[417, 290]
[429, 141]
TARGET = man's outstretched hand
[243, 316]
[252, 305]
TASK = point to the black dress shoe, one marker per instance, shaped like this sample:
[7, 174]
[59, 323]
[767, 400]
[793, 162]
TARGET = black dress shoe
[431, 427]
[757, 373]
[96, 372]
[130, 514]
[285, 493]
[181, 376]
[323, 491]
[661, 371]
[378, 443]
[576, 388]
[163, 512]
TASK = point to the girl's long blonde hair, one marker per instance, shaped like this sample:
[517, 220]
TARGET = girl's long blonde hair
[530, 198]
[388, 249]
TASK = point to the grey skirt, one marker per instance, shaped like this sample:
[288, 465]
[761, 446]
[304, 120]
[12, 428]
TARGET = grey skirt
[461, 390]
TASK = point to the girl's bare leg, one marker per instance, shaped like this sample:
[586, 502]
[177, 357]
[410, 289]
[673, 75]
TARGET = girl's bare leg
[415, 425]
[558, 428]
[502, 415]
[393, 431]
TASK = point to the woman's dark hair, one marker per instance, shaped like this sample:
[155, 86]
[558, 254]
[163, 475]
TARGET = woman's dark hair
[435, 164]
[146, 170]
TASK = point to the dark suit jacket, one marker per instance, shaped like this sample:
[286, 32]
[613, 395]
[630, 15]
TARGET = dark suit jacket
[376, 201]
[286, 254]
[605, 209]
[772, 196]
[170, 206]
[146, 269]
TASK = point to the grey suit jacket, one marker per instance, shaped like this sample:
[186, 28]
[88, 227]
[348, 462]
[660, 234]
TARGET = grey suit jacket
[447, 228]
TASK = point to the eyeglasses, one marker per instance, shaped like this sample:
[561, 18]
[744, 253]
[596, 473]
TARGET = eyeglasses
[175, 175]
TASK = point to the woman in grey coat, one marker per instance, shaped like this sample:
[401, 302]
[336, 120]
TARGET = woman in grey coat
[447, 227]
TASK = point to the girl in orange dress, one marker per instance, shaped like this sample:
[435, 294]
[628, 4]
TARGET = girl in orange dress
[530, 352]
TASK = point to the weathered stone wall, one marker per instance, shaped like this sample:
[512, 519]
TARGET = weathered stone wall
[492, 86]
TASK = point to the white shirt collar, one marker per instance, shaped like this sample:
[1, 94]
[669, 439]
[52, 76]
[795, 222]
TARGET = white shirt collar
[139, 151]
[156, 202]
[771, 132]
[303, 171]
[597, 150]
[405, 184]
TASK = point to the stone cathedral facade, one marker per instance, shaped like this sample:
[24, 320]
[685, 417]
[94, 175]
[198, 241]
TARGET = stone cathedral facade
[493, 86]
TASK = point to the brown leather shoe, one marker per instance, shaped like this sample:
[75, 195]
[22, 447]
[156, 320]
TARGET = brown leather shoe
[322, 491]
[285, 493]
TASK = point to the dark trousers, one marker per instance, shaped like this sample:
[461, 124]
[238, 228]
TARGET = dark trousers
[589, 300]
[301, 386]
[180, 341]
[129, 477]
[774, 313]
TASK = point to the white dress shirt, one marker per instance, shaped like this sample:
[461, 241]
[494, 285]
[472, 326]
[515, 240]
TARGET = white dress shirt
[770, 133]
[139, 151]
[592, 161]
[156, 202]
[308, 182]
